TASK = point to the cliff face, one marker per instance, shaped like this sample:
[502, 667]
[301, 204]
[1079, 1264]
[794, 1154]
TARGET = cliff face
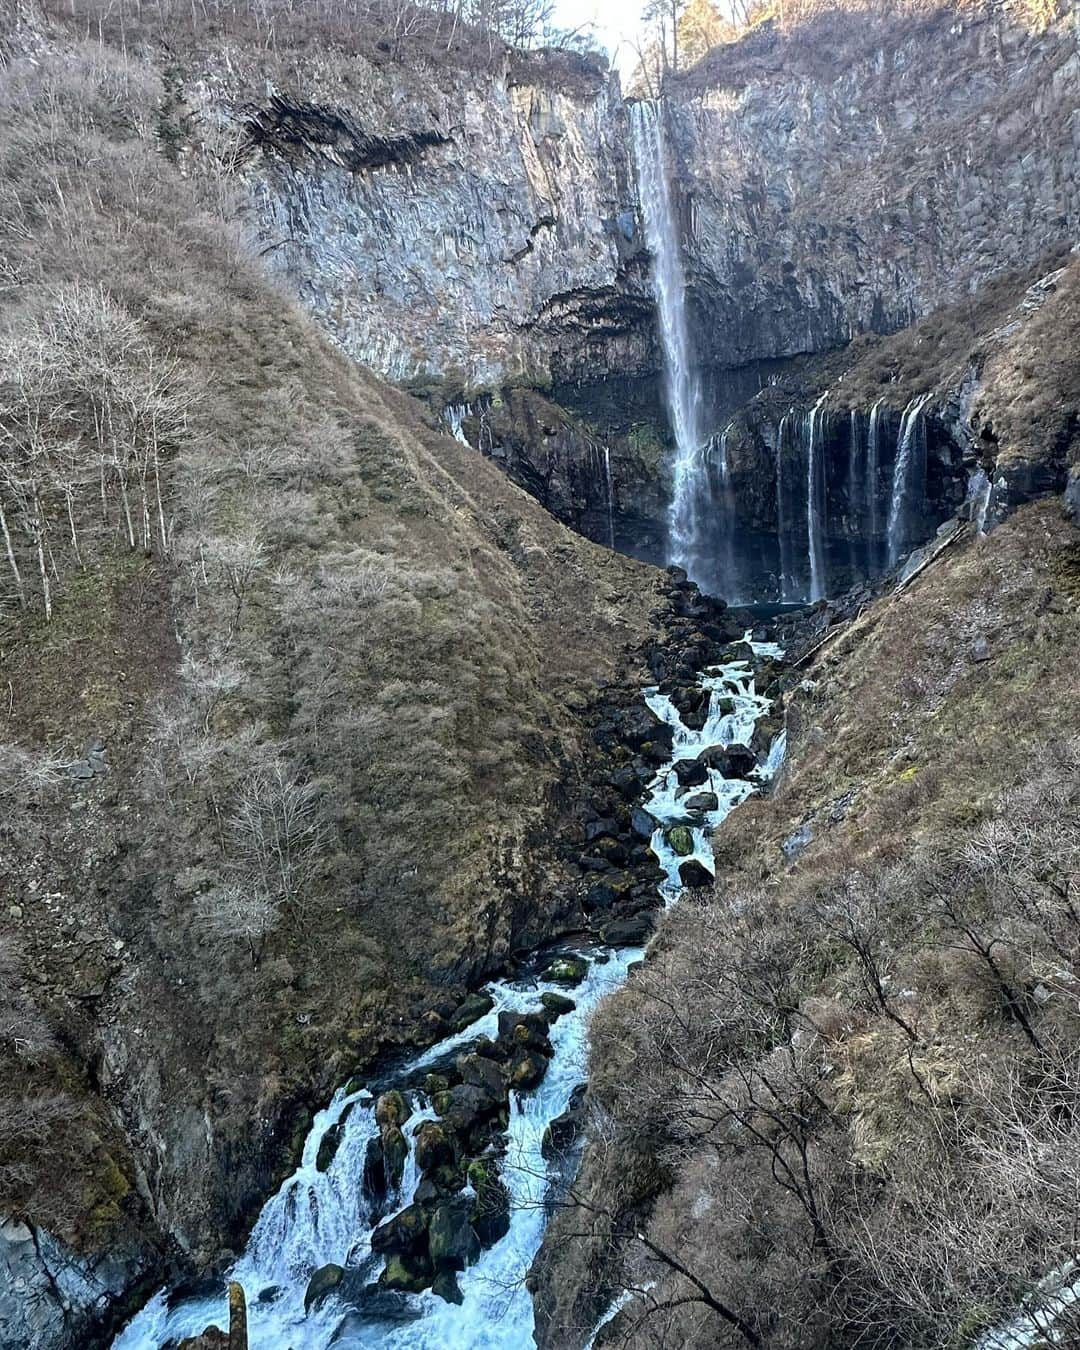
[867, 170]
[470, 224]
[460, 229]
[481, 225]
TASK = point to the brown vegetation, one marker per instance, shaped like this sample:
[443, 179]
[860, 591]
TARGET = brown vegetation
[845, 1092]
[329, 653]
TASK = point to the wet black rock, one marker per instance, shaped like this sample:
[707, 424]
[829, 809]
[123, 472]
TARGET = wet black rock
[405, 1232]
[632, 930]
[733, 761]
[691, 773]
[597, 829]
[325, 1279]
[642, 823]
[562, 1132]
[452, 1244]
[600, 895]
[700, 802]
[694, 875]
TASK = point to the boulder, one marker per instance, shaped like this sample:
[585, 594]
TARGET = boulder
[690, 773]
[680, 841]
[568, 970]
[732, 761]
[632, 930]
[405, 1232]
[525, 1029]
[470, 1010]
[527, 1070]
[394, 1150]
[597, 829]
[641, 823]
[485, 1074]
[446, 1286]
[600, 895]
[392, 1109]
[491, 1209]
[464, 1107]
[693, 874]
[701, 802]
[433, 1146]
[452, 1244]
[558, 1005]
[408, 1274]
[325, 1279]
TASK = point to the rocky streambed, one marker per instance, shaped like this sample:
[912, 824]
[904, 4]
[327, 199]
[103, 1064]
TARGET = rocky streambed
[422, 1195]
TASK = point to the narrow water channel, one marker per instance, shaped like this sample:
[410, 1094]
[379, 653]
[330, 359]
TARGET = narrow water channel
[323, 1217]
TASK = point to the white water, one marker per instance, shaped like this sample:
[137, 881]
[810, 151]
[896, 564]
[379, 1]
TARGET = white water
[321, 1217]
[910, 457]
[783, 440]
[873, 467]
[610, 497]
[815, 501]
[978, 498]
[681, 388]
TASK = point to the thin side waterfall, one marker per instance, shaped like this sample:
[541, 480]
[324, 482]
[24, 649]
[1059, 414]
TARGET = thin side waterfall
[610, 497]
[681, 388]
[873, 468]
[908, 471]
[856, 489]
[815, 500]
[978, 498]
[784, 437]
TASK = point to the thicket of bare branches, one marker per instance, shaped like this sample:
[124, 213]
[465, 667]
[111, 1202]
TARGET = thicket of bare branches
[90, 415]
[861, 1105]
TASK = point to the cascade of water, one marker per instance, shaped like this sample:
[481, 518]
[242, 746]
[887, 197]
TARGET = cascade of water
[610, 497]
[815, 499]
[873, 468]
[978, 498]
[454, 415]
[908, 472]
[856, 488]
[784, 437]
[321, 1216]
[681, 389]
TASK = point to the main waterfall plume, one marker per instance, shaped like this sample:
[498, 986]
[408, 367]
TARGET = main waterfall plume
[681, 388]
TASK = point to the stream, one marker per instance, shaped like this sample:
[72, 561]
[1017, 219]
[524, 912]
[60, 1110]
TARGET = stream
[321, 1217]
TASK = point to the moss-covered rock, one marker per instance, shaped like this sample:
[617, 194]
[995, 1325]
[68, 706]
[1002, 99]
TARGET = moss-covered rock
[680, 841]
[558, 1005]
[392, 1108]
[568, 970]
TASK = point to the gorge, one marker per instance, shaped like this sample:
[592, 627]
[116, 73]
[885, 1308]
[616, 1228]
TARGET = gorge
[540, 778]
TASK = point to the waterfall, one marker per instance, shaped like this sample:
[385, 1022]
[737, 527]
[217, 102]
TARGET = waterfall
[783, 441]
[681, 390]
[856, 469]
[978, 498]
[610, 497]
[815, 500]
[873, 466]
[908, 471]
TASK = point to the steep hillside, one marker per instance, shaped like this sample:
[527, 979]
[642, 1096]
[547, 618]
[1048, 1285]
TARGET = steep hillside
[836, 1106]
[291, 694]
